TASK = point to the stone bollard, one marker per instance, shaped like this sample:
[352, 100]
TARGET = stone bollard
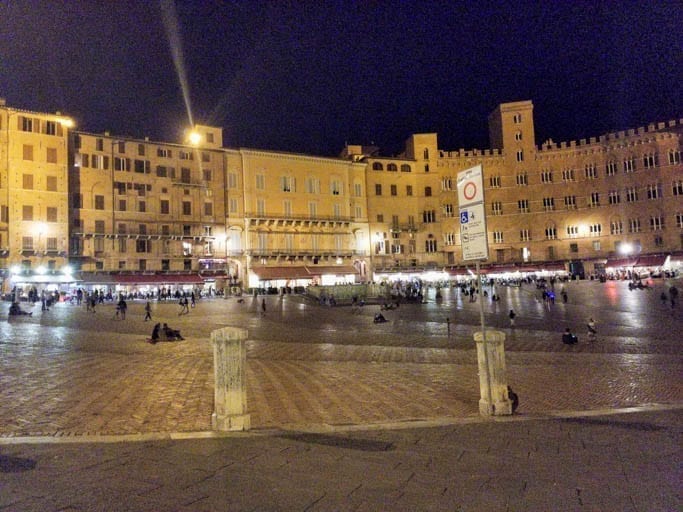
[491, 359]
[230, 388]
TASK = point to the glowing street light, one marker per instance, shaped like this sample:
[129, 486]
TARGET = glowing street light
[194, 138]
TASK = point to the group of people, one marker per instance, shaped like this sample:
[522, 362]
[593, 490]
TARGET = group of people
[164, 333]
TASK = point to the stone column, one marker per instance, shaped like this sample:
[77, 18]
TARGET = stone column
[229, 368]
[494, 399]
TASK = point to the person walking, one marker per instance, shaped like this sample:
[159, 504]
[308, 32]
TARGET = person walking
[148, 311]
[511, 316]
[592, 331]
[263, 307]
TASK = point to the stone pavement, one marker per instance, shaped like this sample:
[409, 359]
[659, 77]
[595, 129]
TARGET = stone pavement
[628, 462]
[71, 375]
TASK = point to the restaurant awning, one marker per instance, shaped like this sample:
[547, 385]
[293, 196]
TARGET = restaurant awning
[621, 262]
[142, 279]
[44, 279]
[272, 273]
[651, 260]
[301, 271]
[318, 270]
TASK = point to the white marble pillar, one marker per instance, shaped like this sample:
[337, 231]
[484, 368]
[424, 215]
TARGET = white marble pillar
[230, 389]
[493, 385]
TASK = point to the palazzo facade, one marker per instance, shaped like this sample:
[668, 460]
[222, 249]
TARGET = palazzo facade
[120, 211]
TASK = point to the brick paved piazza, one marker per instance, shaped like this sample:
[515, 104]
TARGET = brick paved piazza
[71, 372]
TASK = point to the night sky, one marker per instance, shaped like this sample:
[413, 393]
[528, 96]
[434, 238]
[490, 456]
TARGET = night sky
[310, 76]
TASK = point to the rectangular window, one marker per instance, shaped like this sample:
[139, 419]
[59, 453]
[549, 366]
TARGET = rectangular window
[50, 128]
[677, 188]
[548, 203]
[51, 214]
[51, 183]
[51, 155]
[208, 209]
[650, 160]
[27, 243]
[568, 175]
[520, 155]
[497, 237]
[674, 157]
[629, 165]
[287, 184]
[357, 189]
[616, 227]
[522, 179]
[656, 223]
[335, 188]
[312, 209]
[595, 229]
[25, 124]
[634, 225]
[394, 190]
[142, 206]
[523, 206]
[430, 246]
[120, 163]
[570, 202]
[631, 194]
[654, 191]
[594, 199]
[164, 207]
[497, 208]
[232, 205]
[679, 220]
[51, 243]
[27, 212]
[409, 190]
[546, 176]
[261, 207]
[187, 208]
[27, 182]
[611, 168]
[448, 210]
[28, 152]
[550, 233]
[524, 235]
[613, 197]
[591, 171]
[378, 189]
[260, 182]
[232, 180]
[185, 175]
[123, 205]
[141, 166]
[429, 216]
[99, 227]
[572, 231]
[99, 202]
[164, 153]
[494, 181]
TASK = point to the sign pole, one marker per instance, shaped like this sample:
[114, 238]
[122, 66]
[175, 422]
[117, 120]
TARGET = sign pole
[483, 333]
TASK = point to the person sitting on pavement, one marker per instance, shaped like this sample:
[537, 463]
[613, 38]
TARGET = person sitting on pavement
[15, 309]
[379, 318]
[569, 338]
[155, 333]
[172, 334]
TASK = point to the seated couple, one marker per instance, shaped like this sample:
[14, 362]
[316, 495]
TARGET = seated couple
[164, 333]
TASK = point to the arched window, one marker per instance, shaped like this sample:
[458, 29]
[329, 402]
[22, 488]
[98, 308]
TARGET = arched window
[405, 168]
[377, 166]
[426, 154]
[392, 167]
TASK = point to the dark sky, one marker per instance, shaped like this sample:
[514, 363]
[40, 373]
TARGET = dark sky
[310, 76]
